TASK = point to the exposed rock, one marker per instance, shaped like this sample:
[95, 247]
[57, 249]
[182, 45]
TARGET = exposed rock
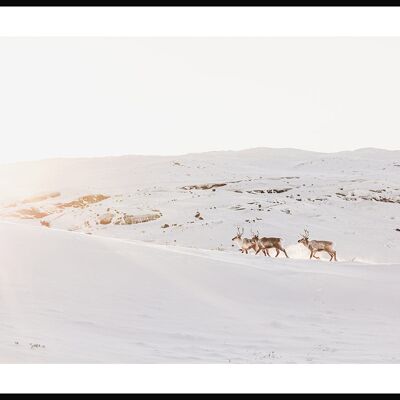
[106, 219]
[126, 219]
[381, 198]
[204, 186]
[84, 201]
[262, 191]
[369, 197]
[30, 213]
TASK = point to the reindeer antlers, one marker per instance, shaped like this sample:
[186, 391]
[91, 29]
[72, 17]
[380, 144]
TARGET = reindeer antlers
[306, 234]
[254, 234]
[238, 230]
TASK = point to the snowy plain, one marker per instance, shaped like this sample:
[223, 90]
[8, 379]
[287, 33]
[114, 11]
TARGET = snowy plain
[83, 282]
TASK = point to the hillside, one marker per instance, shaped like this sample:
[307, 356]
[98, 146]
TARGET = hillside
[68, 297]
[130, 259]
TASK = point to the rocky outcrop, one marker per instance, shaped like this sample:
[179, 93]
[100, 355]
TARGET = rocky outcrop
[84, 201]
[118, 218]
[204, 186]
[30, 213]
[106, 219]
[270, 191]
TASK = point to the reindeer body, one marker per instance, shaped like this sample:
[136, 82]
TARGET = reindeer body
[244, 244]
[315, 246]
[265, 243]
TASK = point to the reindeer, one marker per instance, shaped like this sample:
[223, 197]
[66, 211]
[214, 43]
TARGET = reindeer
[316, 246]
[244, 244]
[265, 243]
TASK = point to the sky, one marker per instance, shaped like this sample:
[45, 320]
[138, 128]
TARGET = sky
[74, 97]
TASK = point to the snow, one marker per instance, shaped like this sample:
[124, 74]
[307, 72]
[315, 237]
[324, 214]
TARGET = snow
[82, 292]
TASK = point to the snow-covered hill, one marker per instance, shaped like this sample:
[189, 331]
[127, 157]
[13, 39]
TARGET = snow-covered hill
[68, 297]
[130, 259]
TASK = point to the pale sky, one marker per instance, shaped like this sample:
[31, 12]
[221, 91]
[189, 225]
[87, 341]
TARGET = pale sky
[111, 96]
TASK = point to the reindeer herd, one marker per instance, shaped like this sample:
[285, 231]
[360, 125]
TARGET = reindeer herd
[265, 243]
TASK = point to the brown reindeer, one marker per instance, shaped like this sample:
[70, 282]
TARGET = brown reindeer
[265, 243]
[244, 244]
[316, 246]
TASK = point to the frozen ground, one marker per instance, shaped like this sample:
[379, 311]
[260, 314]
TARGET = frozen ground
[100, 287]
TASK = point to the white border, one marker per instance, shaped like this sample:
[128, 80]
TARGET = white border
[200, 378]
[199, 21]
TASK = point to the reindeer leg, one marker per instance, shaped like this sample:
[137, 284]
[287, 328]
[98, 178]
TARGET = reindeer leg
[269, 255]
[265, 253]
[277, 252]
[334, 255]
[318, 251]
[284, 251]
[311, 254]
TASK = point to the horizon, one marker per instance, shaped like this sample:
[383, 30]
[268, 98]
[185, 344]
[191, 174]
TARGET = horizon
[378, 149]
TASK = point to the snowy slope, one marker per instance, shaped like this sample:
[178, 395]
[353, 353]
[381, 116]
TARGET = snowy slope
[351, 198]
[100, 287]
[69, 297]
